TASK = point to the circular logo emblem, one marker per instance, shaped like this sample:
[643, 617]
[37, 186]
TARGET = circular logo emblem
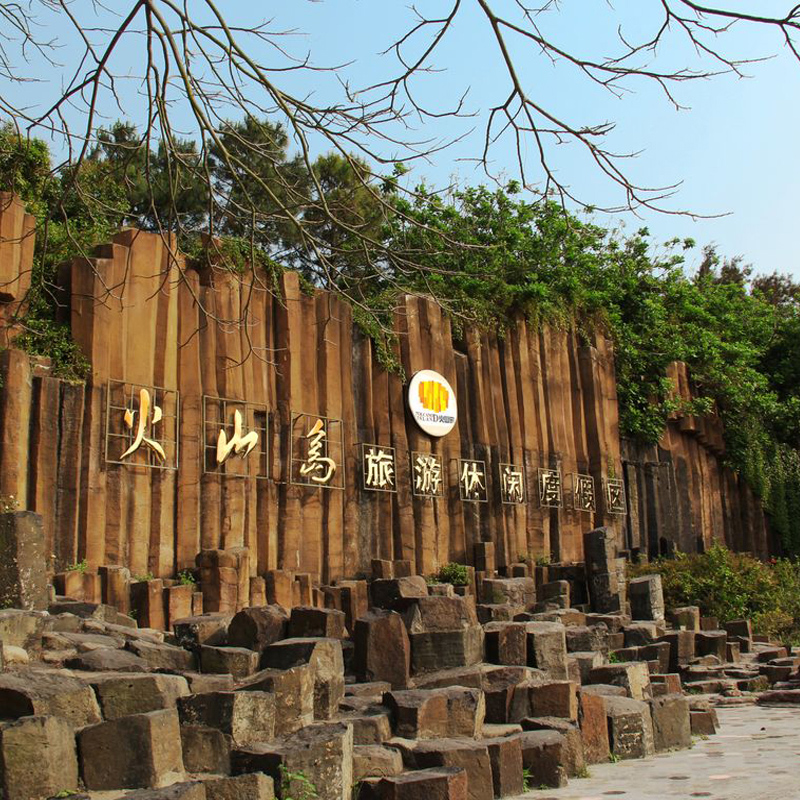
[432, 402]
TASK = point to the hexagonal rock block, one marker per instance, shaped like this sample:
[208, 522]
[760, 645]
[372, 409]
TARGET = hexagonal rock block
[702, 723]
[294, 695]
[594, 728]
[505, 756]
[375, 761]
[547, 648]
[105, 659]
[372, 726]
[572, 758]
[255, 786]
[646, 597]
[466, 711]
[543, 756]
[417, 713]
[638, 634]
[633, 676]
[672, 728]
[681, 648]
[324, 656]
[584, 663]
[554, 699]
[438, 783]
[472, 757]
[711, 643]
[138, 751]
[257, 627]
[192, 790]
[586, 638]
[386, 592]
[382, 648]
[630, 727]
[323, 752]
[686, 618]
[504, 691]
[506, 643]
[444, 633]
[163, 656]
[122, 695]
[308, 621]
[37, 758]
[244, 716]
[237, 661]
[54, 693]
[211, 629]
[205, 750]
[509, 591]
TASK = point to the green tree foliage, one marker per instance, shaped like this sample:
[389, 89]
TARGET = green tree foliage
[487, 256]
[732, 586]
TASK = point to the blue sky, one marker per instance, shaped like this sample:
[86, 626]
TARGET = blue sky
[734, 150]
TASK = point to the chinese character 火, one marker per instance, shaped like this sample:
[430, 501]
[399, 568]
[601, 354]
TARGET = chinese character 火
[241, 445]
[144, 420]
[427, 475]
[512, 484]
[318, 466]
[378, 469]
[550, 487]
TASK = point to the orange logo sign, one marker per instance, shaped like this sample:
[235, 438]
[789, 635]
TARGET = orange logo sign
[433, 396]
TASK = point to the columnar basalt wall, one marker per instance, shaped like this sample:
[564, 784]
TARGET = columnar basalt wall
[143, 319]
[681, 495]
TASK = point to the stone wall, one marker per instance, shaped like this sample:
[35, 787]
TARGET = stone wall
[144, 319]
[681, 495]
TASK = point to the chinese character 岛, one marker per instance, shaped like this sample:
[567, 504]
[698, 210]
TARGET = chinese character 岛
[241, 445]
[318, 466]
[472, 485]
[512, 483]
[583, 489]
[378, 469]
[144, 420]
[550, 487]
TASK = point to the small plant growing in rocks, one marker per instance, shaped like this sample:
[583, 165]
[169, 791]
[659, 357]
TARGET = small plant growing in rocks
[186, 578]
[453, 573]
[78, 566]
[296, 785]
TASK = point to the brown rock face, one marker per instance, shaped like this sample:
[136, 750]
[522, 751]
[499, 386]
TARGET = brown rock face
[437, 783]
[139, 751]
[23, 561]
[672, 728]
[246, 717]
[258, 627]
[505, 755]
[472, 757]
[322, 752]
[294, 695]
[594, 729]
[123, 695]
[323, 622]
[55, 693]
[37, 758]
[382, 648]
[324, 656]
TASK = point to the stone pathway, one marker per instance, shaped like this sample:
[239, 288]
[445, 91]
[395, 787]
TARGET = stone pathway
[755, 756]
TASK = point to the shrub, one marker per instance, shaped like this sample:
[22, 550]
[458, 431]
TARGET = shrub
[731, 586]
[453, 573]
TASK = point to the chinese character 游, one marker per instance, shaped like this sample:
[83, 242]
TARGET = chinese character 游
[427, 475]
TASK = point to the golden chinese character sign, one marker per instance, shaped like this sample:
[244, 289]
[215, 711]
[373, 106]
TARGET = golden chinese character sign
[141, 426]
[235, 438]
[316, 452]
[427, 475]
[472, 485]
[550, 488]
[512, 484]
[583, 498]
[615, 496]
[378, 464]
